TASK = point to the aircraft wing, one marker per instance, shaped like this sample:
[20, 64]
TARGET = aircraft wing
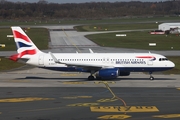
[84, 65]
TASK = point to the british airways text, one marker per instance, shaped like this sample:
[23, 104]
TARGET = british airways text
[130, 62]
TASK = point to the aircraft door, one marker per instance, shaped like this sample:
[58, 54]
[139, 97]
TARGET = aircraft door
[41, 60]
[150, 62]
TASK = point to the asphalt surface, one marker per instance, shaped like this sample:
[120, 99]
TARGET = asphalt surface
[37, 94]
[85, 103]
[37, 77]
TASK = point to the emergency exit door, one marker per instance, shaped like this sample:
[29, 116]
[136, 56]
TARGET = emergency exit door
[41, 60]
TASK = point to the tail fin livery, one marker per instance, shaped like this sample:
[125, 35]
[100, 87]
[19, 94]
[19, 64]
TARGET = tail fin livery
[25, 46]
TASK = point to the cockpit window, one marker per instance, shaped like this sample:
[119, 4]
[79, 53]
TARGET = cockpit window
[163, 59]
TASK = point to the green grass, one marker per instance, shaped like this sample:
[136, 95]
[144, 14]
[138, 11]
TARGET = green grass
[137, 40]
[9, 42]
[7, 64]
[39, 36]
[88, 21]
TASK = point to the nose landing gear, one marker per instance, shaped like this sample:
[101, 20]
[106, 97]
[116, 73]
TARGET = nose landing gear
[151, 77]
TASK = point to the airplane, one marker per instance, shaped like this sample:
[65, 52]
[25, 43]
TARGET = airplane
[99, 65]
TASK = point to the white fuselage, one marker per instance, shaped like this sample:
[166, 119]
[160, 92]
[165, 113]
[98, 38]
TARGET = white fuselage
[123, 61]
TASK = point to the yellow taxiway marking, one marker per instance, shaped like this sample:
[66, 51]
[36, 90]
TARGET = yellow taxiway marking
[107, 100]
[26, 99]
[178, 88]
[71, 41]
[70, 97]
[124, 109]
[114, 96]
[76, 97]
[84, 96]
[69, 74]
[74, 82]
[117, 117]
[105, 82]
[168, 116]
[84, 104]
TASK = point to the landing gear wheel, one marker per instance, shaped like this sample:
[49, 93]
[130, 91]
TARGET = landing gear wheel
[151, 78]
[91, 77]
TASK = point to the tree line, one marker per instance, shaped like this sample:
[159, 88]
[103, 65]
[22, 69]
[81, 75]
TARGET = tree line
[92, 10]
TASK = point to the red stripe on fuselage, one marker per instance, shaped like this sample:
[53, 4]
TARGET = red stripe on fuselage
[145, 57]
[19, 35]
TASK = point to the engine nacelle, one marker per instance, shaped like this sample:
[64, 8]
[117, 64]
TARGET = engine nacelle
[123, 73]
[109, 73]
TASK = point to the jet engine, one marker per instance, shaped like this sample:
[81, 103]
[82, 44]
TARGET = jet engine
[109, 73]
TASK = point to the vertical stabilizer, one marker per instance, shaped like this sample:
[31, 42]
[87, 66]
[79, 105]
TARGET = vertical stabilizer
[25, 47]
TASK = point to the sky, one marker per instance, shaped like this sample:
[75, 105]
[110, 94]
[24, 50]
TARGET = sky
[83, 1]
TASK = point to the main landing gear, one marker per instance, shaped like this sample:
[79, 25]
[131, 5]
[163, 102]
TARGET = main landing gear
[151, 77]
[91, 77]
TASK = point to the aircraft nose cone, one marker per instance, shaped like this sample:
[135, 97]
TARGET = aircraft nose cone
[172, 64]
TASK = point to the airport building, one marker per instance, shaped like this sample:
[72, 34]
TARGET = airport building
[168, 26]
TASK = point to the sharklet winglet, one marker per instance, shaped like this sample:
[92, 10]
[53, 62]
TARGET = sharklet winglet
[90, 51]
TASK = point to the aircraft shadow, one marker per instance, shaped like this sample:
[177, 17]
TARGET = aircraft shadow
[44, 78]
[146, 79]
[85, 79]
